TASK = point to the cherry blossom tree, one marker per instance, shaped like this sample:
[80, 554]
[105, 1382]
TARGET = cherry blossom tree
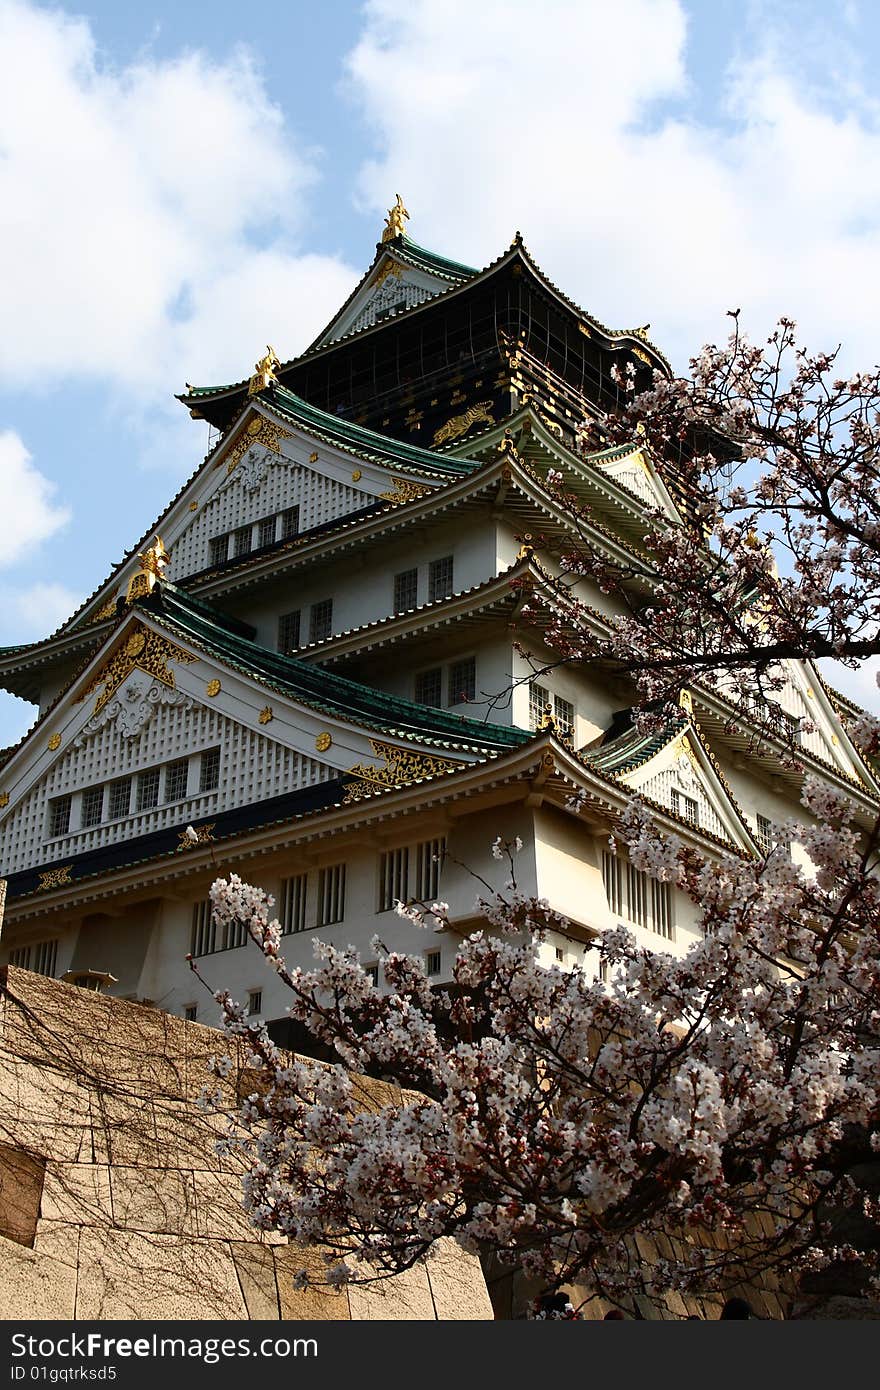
[773, 458]
[719, 1099]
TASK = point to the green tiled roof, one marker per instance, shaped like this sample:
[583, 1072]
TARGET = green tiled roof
[366, 443]
[423, 259]
[630, 749]
[200, 624]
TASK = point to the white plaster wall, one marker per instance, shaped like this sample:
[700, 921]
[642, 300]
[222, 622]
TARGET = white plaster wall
[362, 584]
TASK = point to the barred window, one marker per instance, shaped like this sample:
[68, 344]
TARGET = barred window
[293, 903]
[463, 681]
[429, 857]
[204, 929]
[636, 898]
[393, 878]
[176, 778]
[331, 895]
[218, 547]
[190, 1012]
[120, 798]
[209, 770]
[612, 877]
[44, 957]
[242, 540]
[321, 620]
[686, 806]
[266, 531]
[288, 633]
[289, 523]
[429, 687]
[255, 1002]
[148, 789]
[92, 807]
[234, 934]
[59, 815]
[406, 590]
[40, 956]
[440, 578]
[373, 972]
[432, 963]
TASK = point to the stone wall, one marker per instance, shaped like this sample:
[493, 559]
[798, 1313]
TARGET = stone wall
[113, 1203]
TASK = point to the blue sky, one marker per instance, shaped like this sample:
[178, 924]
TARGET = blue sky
[183, 183]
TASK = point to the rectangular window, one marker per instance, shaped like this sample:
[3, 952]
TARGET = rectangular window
[209, 770]
[432, 963]
[764, 833]
[203, 929]
[21, 957]
[539, 704]
[293, 903]
[59, 815]
[543, 702]
[563, 713]
[255, 1002]
[148, 789]
[373, 972]
[406, 590]
[242, 540]
[686, 806]
[429, 687]
[218, 547]
[288, 633]
[429, 857]
[176, 778]
[331, 895]
[120, 798]
[289, 523]
[190, 1012]
[463, 681]
[44, 957]
[636, 898]
[266, 533]
[393, 878]
[440, 578]
[321, 620]
[92, 807]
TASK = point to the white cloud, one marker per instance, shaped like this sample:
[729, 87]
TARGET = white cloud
[569, 124]
[129, 197]
[30, 514]
[36, 610]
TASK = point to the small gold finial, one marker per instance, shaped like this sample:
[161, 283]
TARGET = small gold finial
[154, 561]
[264, 371]
[547, 720]
[396, 217]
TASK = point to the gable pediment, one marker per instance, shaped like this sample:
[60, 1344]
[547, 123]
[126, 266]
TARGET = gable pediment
[390, 288]
[159, 734]
[678, 773]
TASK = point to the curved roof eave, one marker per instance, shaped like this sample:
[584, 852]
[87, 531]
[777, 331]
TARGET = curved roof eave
[517, 249]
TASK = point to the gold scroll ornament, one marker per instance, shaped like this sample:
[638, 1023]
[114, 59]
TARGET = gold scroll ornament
[143, 650]
[400, 767]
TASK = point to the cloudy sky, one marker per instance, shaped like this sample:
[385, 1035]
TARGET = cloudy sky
[182, 183]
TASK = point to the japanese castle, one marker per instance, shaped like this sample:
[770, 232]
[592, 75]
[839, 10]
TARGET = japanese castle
[323, 666]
